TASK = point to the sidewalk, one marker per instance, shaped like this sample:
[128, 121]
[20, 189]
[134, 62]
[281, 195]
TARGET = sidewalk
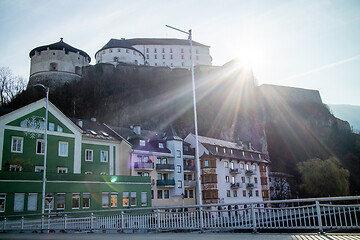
[182, 236]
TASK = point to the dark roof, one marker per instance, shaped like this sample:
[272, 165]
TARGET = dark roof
[93, 129]
[187, 150]
[172, 135]
[129, 43]
[59, 46]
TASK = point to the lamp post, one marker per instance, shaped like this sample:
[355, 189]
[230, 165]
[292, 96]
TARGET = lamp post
[189, 33]
[45, 147]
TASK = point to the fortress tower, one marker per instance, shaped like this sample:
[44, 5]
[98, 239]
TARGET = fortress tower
[56, 64]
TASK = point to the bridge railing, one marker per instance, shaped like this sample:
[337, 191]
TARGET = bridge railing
[318, 214]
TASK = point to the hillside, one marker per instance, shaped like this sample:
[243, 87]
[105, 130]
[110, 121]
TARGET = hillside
[349, 113]
[291, 124]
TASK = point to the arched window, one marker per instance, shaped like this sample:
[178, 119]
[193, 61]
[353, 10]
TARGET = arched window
[53, 66]
[78, 70]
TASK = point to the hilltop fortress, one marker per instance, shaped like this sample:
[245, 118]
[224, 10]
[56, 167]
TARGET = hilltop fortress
[59, 63]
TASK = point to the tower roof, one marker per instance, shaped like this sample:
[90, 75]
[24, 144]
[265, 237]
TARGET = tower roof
[59, 46]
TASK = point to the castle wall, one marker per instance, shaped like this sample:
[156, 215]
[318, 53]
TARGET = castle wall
[116, 55]
[59, 61]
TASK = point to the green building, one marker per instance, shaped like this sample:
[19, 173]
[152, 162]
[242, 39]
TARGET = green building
[84, 163]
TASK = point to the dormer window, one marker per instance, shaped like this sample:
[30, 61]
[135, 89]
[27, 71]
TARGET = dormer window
[161, 145]
[224, 150]
[231, 151]
[186, 148]
[142, 143]
[217, 149]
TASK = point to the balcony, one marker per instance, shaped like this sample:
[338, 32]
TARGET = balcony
[143, 166]
[250, 185]
[190, 183]
[234, 171]
[234, 185]
[189, 168]
[249, 172]
[165, 183]
[165, 167]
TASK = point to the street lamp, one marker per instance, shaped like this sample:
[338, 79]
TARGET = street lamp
[189, 33]
[45, 150]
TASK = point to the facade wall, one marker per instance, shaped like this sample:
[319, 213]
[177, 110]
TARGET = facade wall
[57, 60]
[116, 55]
[69, 185]
[174, 56]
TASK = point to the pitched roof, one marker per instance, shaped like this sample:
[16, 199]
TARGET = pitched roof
[59, 46]
[172, 135]
[130, 43]
[93, 129]
[220, 143]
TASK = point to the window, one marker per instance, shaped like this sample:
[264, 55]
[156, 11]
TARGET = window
[146, 174]
[178, 168]
[155, 51]
[152, 194]
[232, 165]
[233, 180]
[182, 50]
[75, 201]
[139, 174]
[147, 50]
[119, 50]
[161, 145]
[171, 50]
[178, 153]
[88, 172]
[19, 202]
[163, 56]
[103, 173]
[113, 199]
[2, 202]
[15, 168]
[62, 170]
[257, 193]
[53, 66]
[206, 163]
[231, 151]
[125, 199]
[179, 184]
[250, 193]
[143, 199]
[17, 144]
[159, 194]
[155, 56]
[104, 156]
[227, 179]
[147, 56]
[158, 160]
[105, 199]
[191, 193]
[241, 165]
[234, 193]
[40, 146]
[88, 155]
[182, 64]
[164, 161]
[244, 193]
[59, 128]
[217, 149]
[63, 149]
[254, 167]
[226, 164]
[228, 193]
[51, 126]
[39, 168]
[32, 202]
[243, 179]
[166, 194]
[182, 56]
[60, 201]
[255, 179]
[186, 194]
[133, 199]
[224, 150]
[142, 143]
[247, 166]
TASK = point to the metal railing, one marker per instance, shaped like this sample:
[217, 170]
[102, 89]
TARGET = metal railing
[311, 214]
[169, 182]
[165, 167]
[143, 165]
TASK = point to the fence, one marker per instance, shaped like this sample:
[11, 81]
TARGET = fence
[317, 214]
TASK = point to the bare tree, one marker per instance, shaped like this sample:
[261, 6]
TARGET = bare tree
[10, 85]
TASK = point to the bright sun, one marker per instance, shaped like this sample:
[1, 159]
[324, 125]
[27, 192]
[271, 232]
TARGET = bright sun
[250, 56]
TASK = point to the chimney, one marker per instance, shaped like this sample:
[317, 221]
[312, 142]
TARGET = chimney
[93, 119]
[250, 145]
[137, 129]
[80, 123]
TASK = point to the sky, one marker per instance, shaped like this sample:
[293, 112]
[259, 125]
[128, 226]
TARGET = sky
[303, 43]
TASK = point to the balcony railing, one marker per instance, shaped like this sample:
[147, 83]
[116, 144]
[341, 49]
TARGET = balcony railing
[189, 168]
[234, 171]
[164, 183]
[234, 185]
[189, 183]
[165, 167]
[143, 165]
[249, 172]
[251, 185]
